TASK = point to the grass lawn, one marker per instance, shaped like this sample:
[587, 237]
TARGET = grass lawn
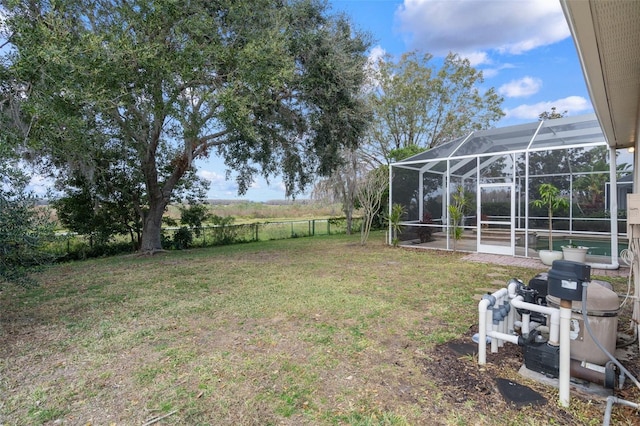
[303, 331]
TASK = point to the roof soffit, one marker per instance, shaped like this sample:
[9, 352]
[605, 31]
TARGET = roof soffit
[607, 37]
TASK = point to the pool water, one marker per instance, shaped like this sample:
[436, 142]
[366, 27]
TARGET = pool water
[596, 247]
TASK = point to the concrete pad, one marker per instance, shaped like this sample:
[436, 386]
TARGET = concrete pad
[584, 388]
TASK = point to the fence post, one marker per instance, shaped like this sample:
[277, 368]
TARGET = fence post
[328, 226]
[255, 225]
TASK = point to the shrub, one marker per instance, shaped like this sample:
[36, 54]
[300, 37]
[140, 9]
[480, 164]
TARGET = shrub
[183, 238]
[83, 251]
[24, 229]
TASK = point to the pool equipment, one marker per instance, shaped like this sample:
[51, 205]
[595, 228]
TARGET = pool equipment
[562, 320]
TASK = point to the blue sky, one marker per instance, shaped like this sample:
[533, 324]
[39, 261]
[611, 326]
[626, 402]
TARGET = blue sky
[523, 47]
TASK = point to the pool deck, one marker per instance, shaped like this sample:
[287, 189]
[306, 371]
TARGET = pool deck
[535, 263]
[522, 259]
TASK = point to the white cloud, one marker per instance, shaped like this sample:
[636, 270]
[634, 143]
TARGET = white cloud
[41, 186]
[376, 54]
[465, 26]
[477, 58]
[372, 68]
[220, 186]
[259, 190]
[210, 176]
[494, 71]
[526, 86]
[572, 104]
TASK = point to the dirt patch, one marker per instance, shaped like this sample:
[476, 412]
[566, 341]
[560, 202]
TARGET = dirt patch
[462, 381]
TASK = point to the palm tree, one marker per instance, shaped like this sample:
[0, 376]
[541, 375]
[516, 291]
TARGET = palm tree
[551, 199]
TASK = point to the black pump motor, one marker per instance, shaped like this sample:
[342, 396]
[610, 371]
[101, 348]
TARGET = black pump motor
[540, 283]
[532, 294]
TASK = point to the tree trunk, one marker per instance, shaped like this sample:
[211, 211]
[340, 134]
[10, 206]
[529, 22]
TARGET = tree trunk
[349, 217]
[550, 229]
[152, 228]
[367, 220]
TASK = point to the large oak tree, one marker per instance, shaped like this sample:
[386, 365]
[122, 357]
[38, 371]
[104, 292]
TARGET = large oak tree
[270, 85]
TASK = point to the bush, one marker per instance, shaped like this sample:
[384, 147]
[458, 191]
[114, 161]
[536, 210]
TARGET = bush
[194, 216]
[225, 232]
[84, 251]
[24, 229]
[183, 238]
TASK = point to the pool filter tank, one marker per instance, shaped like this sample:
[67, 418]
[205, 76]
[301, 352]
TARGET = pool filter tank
[602, 313]
[565, 281]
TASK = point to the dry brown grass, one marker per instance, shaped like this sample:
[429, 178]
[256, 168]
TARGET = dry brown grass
[248, 211]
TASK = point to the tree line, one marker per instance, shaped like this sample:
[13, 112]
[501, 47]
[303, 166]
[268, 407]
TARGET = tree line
[115, 101]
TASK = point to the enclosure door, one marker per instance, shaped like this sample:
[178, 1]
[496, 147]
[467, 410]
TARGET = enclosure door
[496, 202]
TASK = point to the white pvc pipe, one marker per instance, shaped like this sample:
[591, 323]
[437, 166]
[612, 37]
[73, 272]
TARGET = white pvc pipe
[565, 355]
[612, 265]
[512, 290]
[533, 326]
[511, 338]
[494, 342]
[500, 329]
[554, 314]
[486, 326]
[511, 320]
[482, 329]
[505, 320]
[526, 324]
[613, 203]
[500, 293]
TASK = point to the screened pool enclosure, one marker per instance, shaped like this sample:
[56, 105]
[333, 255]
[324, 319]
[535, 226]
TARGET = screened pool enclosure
[475, 193]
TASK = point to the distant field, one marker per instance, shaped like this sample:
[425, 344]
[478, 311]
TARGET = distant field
[251, 212]
[248, 211]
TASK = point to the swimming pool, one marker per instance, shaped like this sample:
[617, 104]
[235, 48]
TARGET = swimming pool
[596, 247]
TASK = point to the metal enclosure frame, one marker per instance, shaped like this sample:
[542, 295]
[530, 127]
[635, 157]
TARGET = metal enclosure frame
[478, 161]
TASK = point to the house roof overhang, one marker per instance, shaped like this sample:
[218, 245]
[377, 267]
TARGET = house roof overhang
[607, 37]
